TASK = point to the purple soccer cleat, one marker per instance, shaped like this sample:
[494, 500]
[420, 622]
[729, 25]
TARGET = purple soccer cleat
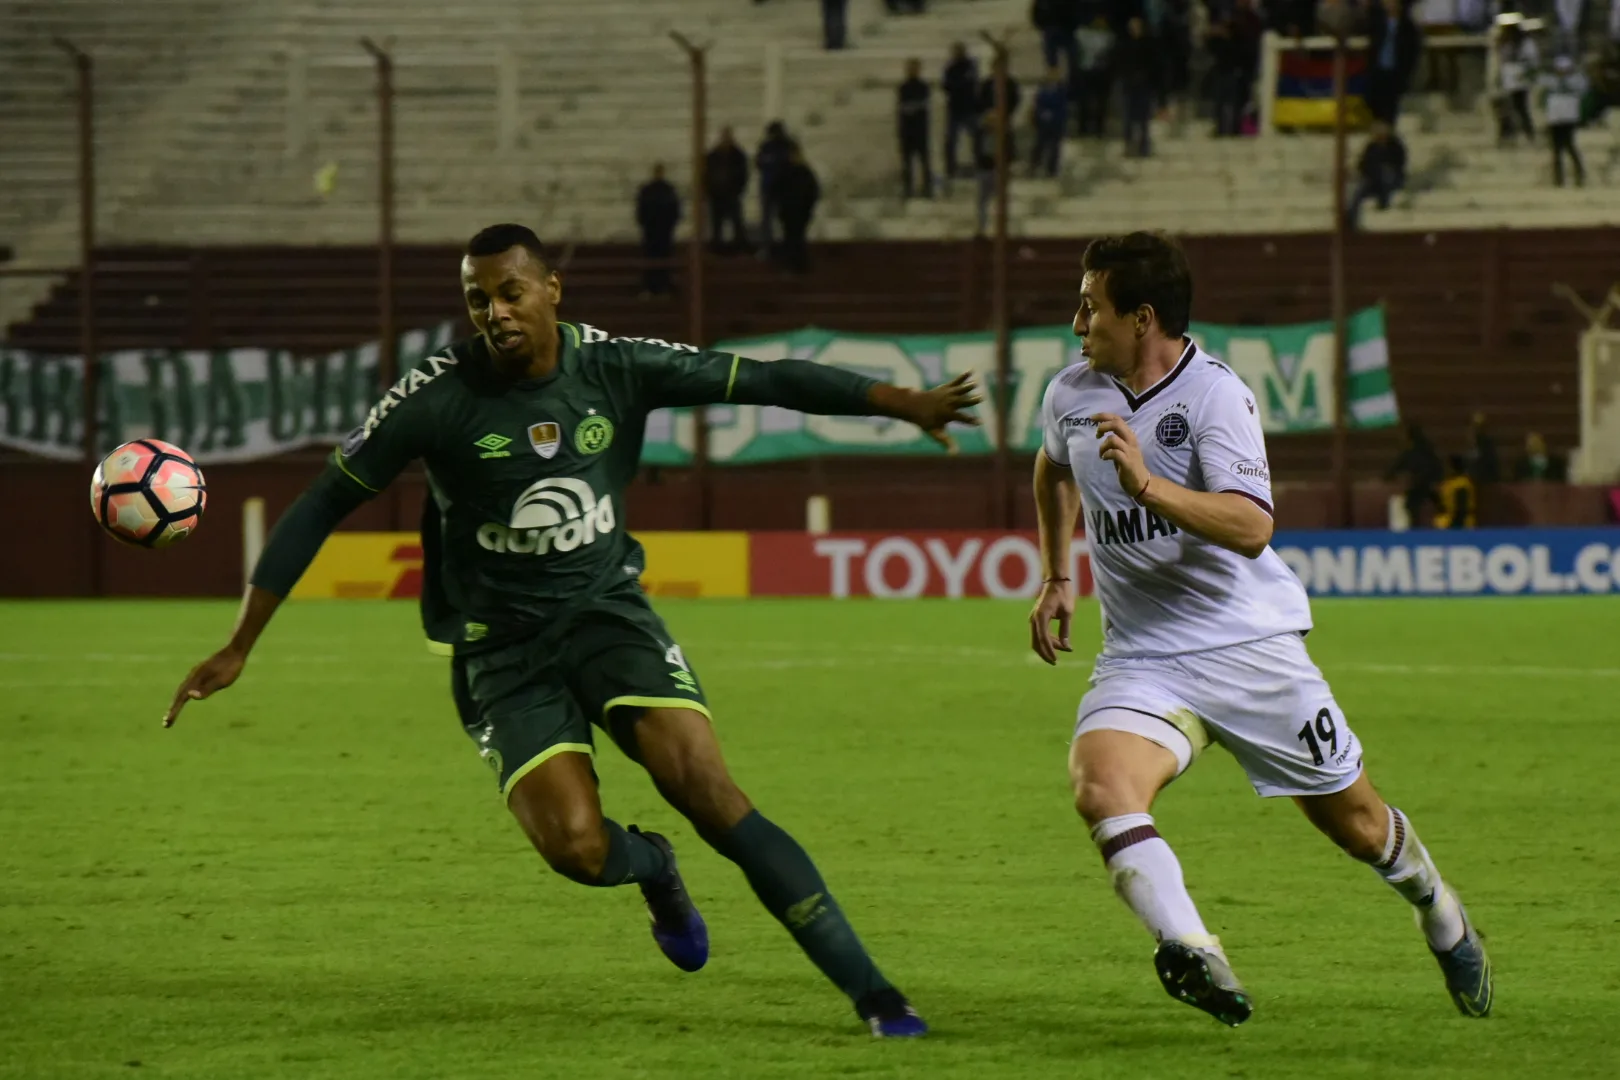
[680, 931]
[890, 1015]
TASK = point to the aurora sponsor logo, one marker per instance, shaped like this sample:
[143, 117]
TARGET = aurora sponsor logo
[556, 514]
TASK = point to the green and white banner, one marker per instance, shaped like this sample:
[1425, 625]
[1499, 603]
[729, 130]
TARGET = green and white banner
[239, 404]
[220, 405]
[1289, 369]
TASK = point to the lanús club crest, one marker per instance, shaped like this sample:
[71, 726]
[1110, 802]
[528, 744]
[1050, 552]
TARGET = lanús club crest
[1173, 430]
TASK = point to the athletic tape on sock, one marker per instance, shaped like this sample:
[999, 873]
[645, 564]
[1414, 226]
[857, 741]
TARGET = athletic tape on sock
[1396, 842]
[1115, 834]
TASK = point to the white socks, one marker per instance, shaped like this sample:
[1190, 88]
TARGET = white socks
[1409, 870]
[1148, 878]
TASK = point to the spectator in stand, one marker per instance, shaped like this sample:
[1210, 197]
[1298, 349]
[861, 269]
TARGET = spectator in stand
[1058, 21]
[658, 210]
[1483, 463]
[1136, 59]
[961, 85]
[1394, 45]
[725, 175]
[1089, 86]
[987, 94]
[797, 192]
[1459, 499]
[1051, 116]
[1382, 169]
[1174, 38]
[1293, 18]
[770, 162]
[911, 113]
[1338, 18]
[984, 157]
[834, 23]
[1606, 68]
[1420, 464]
[1537, 464]
[1563, 89]
[1234, 46]
[1517, 61]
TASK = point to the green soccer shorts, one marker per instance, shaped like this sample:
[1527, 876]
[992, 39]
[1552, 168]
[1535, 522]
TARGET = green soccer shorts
[526, 702]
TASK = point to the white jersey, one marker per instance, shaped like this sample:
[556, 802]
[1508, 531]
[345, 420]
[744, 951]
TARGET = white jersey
[1162, 590]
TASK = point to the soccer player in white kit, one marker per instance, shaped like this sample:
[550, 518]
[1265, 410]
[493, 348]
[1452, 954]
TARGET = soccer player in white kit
[1160, 447]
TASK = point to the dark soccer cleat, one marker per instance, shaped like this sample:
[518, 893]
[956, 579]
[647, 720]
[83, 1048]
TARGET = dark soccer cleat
[1468, 972]
[676, 925]
[1202, 978]
[890, 1015]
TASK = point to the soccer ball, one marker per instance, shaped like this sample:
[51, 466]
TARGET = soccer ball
[148, 493]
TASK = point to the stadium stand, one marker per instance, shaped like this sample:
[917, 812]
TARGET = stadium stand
[223, 138]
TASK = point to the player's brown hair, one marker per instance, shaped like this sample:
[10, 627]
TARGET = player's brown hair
[1144, 268]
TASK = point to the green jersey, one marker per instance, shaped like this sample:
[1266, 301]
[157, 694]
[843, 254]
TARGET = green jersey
[527, 477]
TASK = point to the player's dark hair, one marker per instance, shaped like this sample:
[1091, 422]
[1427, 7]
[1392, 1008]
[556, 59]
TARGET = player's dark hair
[498, 238]
[1145, 268]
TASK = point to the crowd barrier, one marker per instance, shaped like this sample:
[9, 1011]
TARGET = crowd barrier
[1006, 565]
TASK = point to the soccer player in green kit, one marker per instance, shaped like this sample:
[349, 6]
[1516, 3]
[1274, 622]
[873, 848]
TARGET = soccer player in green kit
[530, 432]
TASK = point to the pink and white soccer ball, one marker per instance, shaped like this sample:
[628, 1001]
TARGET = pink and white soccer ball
[148, 493]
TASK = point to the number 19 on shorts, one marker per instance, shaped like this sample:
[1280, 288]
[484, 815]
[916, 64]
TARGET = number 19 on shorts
[1319, 733]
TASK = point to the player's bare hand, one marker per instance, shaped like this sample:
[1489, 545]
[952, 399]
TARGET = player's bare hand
[945, 404]
[1056, 603]
[215, 673]
[1120, 447]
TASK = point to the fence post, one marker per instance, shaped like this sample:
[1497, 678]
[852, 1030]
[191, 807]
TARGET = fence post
[1002, 511]
[774, 76]
[296, 137]
[506, 99]
[1341, 344]
[387, 345]
[698, 56]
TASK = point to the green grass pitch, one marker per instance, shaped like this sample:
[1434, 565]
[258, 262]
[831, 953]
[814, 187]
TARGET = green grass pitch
[311, 876]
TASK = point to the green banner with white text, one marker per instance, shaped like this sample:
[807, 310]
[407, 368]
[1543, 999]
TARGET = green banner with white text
[245, 403]
[1289, 369]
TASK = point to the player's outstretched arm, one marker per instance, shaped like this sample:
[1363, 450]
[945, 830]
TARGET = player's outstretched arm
[1227, 518]
[287, 554]
[1057, 504]
[805, 386]
[676, 377]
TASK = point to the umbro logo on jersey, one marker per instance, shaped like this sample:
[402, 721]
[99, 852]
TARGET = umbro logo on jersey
[557, 514]
[494, 446]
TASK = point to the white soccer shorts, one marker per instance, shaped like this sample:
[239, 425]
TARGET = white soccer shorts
[1264, 701]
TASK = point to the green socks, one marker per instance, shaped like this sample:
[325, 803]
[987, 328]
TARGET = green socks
[630, 858]
[790, 887]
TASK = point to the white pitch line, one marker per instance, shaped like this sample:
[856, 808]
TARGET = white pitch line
[1512, 670]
